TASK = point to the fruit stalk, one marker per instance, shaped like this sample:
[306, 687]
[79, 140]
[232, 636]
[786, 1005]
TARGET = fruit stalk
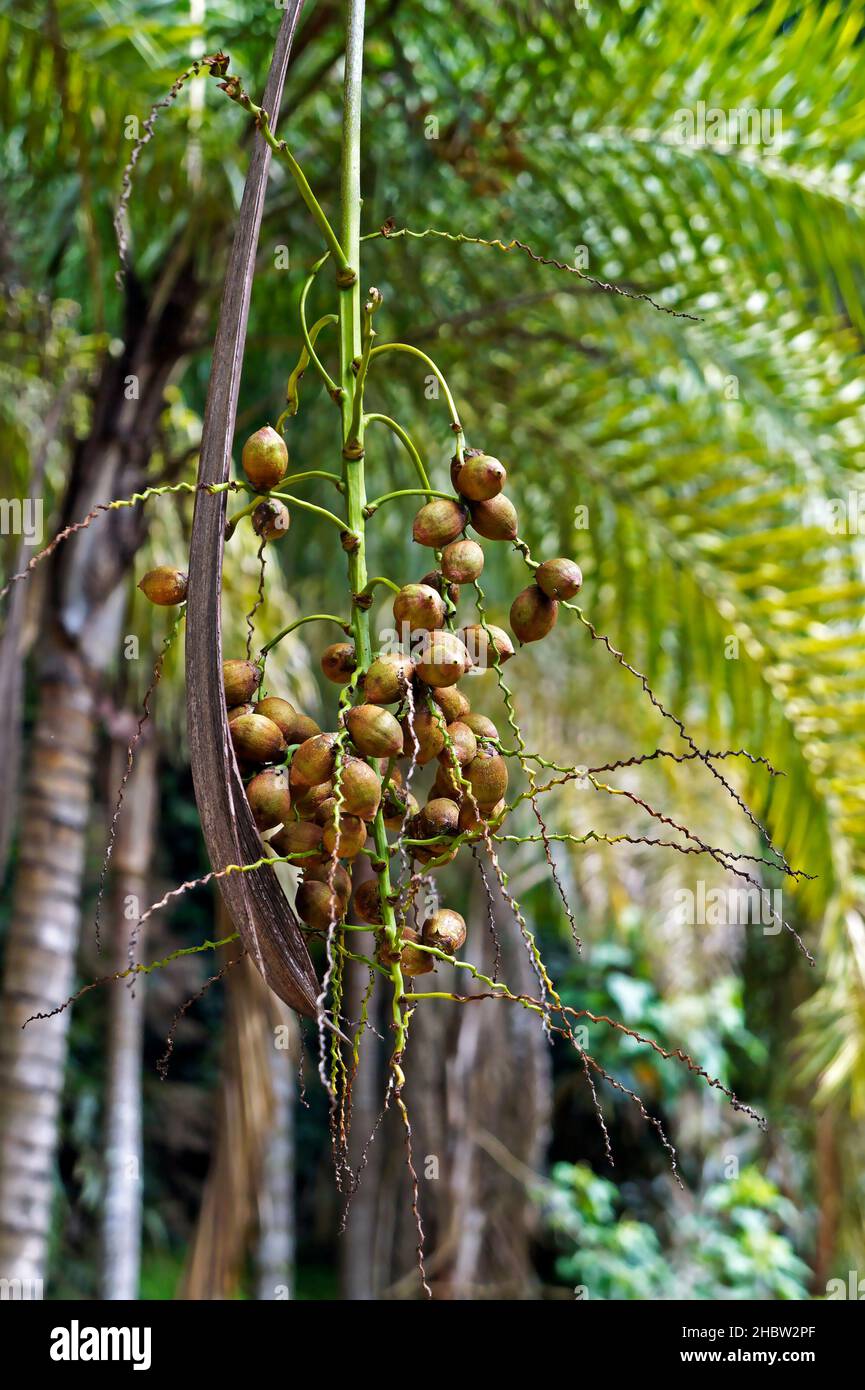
[353, 435]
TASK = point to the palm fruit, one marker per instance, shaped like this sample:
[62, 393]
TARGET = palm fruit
[360, 786]
[559, 578]
[271, 519]
[338, 662]
[472, 819]
[237, 710]
[445, 929]
[419, 607]
[394, 805]
[533, 615]
[300, 728]
[440, 816]
[488, 775]
[495, 519]
[374, 731]
[318, 905]
[478, 638]
[265, 459]
[439, 522]
[331, 873]
[427, 731]
[308, 801]
[457, 463]
[426, 853]
[240, 680]
[300, 842]
[412, 961]
[269, 797]
[447, 782]
[463, 746]
[441, 659]
[387, 678]
[280, 711]
[480, 726]
[480, 478]
[452, 702]
[164, 586]
[313, 761]
[435, 581]
[345, 840]
[367, 902]
[256, 739]
[462, 561]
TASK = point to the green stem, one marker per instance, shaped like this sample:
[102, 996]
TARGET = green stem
[411, 450]
[292, 397]
[333, 390]
[405, 492]
[309, 507]
[352, 441]
[298, 622]
[436, 371]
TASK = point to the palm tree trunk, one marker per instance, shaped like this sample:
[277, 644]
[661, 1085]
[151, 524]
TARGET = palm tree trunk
[121, 1221]
[40, 962]
[81, 631]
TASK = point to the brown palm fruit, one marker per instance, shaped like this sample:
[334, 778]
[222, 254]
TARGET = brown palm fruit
[280, 711]
[495, 519]
[559, 578]
[445, 930]
[440, 816]
[488, 775]
[237, 710]
[317, 905]
[367, 902]
[481, 478]
[338, 662]
[387, 678]
[439, 522]
[447, 782]
[256, 739]
[452, 702]
[426, 853]
[441, 659]
[464, 745]
[428, 732]
[164, 586]
[435, 581]
[472, 819]
[269, 797]
[533, 615]
[346, 840]
[300, 842]
[300, 728]
[457, 463]
[240, 680]
[394, 806]
[419, 607]
[478, 639]
[480, 726]
[412, 961]
[271, 520]
[307, 803]
[462, 561]
[374, 731]
[265, 459]
[313, 761]
[361, 789]
[331, 873]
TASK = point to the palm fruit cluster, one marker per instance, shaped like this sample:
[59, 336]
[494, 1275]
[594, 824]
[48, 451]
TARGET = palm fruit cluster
[314, 793]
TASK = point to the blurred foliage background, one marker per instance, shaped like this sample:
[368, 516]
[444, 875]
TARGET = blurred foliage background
[705, 474]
